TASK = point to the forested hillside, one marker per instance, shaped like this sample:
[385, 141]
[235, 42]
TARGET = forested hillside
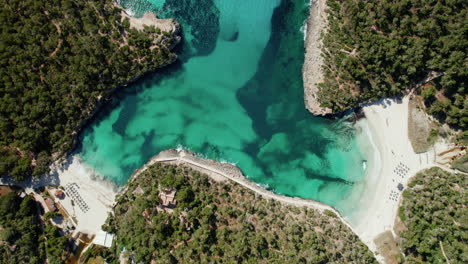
[19, 230]
[435, 217]
[57, 60]
[24, 237]
[212, 222]
[376, 49]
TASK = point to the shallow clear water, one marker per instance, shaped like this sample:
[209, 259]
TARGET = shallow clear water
[235, 95]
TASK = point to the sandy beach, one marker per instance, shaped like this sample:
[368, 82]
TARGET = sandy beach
[373, 206]
[388, 122]
[93, 197]
[394, 163]
[97, 195]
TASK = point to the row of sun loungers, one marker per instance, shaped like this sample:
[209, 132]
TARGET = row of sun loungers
[72, 190]
[393, 196]
[401, 170]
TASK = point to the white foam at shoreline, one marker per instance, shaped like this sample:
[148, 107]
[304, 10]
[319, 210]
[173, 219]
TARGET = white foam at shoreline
[387, 120]
[97, 192]
[364, 190]
[303, 29]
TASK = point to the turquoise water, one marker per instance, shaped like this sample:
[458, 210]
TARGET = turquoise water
[235, 95]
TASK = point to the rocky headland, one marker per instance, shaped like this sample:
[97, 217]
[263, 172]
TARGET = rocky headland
[220, 171]
[313, 61]
[171, 26]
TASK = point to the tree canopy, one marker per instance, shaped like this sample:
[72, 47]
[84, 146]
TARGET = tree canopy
[58, 60]
[375, 49]
[19, 232]
[24, 237]
[221, 222]
[435, 217]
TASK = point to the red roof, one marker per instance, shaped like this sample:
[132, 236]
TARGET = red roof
[50, 204]
[58, 193]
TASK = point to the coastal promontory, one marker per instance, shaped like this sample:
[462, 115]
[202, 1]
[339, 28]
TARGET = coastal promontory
[175, 214]
[60, 62]
[361, 51]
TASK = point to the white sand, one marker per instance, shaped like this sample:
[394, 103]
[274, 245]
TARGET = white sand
[388, 122]
[376, 213]
[353, 203]
[97, 194]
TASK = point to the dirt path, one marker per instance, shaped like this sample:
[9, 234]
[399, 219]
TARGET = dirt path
[60, 41]
[231, 172]
[443, 251]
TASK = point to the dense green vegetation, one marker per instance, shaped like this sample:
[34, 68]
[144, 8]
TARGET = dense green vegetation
[222, 223]
[22, 239]
[461, 163]
[20, 235]
[56, 245]
[95, 254]
[436, 218]
[376, 49]
[58, 59]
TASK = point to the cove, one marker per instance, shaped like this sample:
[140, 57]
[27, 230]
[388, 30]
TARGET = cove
[235, 95]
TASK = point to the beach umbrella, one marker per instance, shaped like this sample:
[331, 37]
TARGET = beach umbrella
[400, 187]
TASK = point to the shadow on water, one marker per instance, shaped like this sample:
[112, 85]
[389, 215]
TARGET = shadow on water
[204, 26]
[280, 144]
[202, 29]
[129, 105]
[276, 83]
[203, 33]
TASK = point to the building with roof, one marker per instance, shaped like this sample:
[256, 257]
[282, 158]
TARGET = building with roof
[167, 199]
[59, 194]
[50, 204]
[104, 239]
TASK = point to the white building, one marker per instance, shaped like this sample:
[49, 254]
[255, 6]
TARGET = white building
[103, 239]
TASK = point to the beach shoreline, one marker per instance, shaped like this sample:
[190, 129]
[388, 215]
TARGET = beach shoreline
[388, 124]
[385, 126]
[373, 167]
[372, 207]
[96, 192]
